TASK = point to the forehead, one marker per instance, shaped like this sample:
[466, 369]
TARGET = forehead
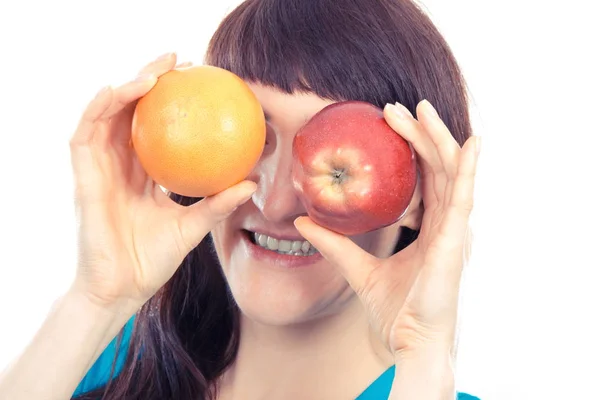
[280, 106]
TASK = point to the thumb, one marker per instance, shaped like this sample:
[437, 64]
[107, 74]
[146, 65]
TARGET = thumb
[354, 263]
[200, 218]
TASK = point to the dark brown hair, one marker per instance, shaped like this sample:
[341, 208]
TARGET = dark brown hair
[379, 51]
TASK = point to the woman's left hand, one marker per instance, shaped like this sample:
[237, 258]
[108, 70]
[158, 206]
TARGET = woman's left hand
[412, 296]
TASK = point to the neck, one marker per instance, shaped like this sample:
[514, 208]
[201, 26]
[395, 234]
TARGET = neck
[338, 355]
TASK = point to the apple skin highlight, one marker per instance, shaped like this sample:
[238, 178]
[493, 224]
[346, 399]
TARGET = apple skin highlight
[351, 170]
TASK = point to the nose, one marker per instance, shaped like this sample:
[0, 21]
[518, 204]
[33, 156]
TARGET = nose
[275, 196]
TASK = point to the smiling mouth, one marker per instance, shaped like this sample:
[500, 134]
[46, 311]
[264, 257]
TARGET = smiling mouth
[299, 248]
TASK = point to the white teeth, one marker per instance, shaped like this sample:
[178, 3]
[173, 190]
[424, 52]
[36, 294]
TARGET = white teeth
[296, 246]
[305, 246]
[285, 245]
[261, 239]
[272, 243]
[289, 247]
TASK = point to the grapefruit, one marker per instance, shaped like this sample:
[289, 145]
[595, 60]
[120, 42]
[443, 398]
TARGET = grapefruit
[198, 131]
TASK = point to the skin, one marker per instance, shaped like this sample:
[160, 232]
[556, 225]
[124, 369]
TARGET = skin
[410, 300]
[282, 307]
[282, 296]
[131, 238]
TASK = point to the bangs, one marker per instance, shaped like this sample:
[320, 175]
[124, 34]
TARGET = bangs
[326, 47]
[377, 51]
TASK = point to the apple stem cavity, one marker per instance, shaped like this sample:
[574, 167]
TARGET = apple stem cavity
[339, 176]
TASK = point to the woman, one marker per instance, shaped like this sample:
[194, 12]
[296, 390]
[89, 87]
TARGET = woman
[219, 317]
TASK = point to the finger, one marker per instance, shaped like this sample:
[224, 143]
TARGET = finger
[468, 245]
[135, 174]
[120, 112]
[401, 120]
[123, 108]
[133, 90]
[92, 114]
[183, 65]
[162, 63]
[147, 77]
[427, 181]
[130, 92]
[99, 107]
[353, 262]
[445, 255]
[197, 220]
[458, 211]
[447, 147]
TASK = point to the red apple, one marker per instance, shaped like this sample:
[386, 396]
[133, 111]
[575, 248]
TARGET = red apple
[351, 170]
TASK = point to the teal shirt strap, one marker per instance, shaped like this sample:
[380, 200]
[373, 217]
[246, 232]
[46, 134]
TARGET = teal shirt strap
[381, 388]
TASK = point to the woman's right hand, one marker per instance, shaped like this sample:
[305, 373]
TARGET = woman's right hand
[131, 236]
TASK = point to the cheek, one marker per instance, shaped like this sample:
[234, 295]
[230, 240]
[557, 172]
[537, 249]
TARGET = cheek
[380, 242]
[367, 241]
[266, 164]
[223, 241]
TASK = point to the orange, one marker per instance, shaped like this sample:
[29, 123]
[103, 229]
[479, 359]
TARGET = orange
[198, 131]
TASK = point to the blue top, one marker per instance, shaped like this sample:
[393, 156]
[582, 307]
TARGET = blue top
[99, 373]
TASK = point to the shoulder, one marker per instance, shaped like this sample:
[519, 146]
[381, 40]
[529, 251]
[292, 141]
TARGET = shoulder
[100, 372]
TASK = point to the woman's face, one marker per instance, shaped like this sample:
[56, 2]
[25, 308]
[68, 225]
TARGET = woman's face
[269, 286]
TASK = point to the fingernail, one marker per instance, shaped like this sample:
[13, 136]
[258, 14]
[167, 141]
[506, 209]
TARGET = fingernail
[299, 219]
[402, 111]
[428, 108]
[185, 64]
[164, 56]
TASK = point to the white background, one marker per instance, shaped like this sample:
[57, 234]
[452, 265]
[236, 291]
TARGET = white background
[531, 297]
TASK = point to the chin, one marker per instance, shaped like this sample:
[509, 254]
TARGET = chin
[278, 289]
[269, 300]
